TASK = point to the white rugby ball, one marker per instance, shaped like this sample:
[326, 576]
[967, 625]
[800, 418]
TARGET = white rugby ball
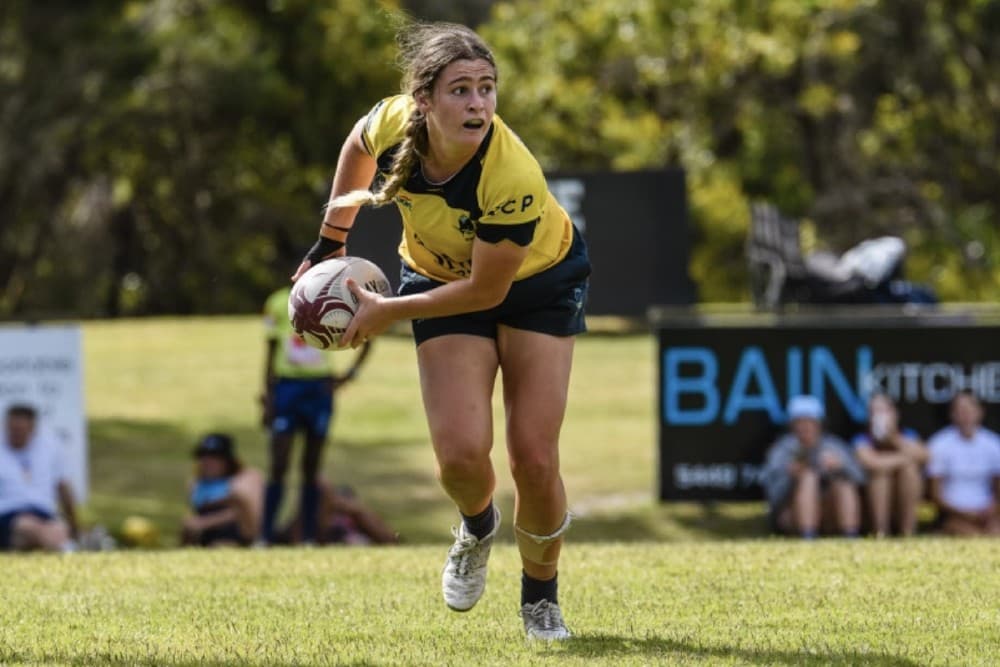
[321, 306]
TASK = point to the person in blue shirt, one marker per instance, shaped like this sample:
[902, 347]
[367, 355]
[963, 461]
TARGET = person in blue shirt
[810, 477]
[893, 458]
[225, 497]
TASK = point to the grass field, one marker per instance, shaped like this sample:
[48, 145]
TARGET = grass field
[756, 602]
[153, 385]
[641, 583]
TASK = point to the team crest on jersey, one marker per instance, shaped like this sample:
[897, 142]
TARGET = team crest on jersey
[404, 201]
[466, 227]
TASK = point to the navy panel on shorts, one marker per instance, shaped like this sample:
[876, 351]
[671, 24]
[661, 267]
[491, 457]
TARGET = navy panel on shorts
[303, 404]
[7, 523]
[551, 302]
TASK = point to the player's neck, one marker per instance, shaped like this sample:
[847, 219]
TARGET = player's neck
[440, 166]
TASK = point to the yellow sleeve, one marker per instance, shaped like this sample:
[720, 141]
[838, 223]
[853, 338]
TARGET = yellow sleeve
[385, 125]
[275, 308]
[514, 190]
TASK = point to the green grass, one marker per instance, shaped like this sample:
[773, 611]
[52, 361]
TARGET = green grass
[641, 583]
[765, 602]
[153, 385]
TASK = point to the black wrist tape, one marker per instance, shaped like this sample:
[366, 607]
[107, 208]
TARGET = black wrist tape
[322, 249]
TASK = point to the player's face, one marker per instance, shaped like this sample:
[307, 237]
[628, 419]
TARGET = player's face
[966, 414]
[19, 430]
[460, 108]
[807, 431]
[882, 406]
[211, 467]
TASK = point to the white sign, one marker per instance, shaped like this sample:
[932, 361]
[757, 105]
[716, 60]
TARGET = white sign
[570, 192]
[43, 367]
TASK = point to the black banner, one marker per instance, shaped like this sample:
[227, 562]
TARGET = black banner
[635, 224]
[723, 390]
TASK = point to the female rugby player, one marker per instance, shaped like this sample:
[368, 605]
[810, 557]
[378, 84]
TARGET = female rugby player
[494, 277]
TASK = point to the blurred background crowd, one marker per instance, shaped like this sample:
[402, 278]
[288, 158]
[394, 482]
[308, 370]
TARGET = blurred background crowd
[168, 158]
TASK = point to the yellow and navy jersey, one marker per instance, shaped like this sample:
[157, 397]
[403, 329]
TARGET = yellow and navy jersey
[293, 358]
[500, 194]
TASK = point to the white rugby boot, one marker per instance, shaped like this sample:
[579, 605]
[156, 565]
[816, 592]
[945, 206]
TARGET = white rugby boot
[463, 579]
[543, 620]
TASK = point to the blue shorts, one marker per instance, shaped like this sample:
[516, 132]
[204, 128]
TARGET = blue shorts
[7, 523]
[551, 302]
[303, 404]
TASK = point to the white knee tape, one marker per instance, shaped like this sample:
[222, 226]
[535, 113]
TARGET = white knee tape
[538, 548]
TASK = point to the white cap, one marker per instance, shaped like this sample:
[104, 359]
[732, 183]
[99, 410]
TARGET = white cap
[805, 407]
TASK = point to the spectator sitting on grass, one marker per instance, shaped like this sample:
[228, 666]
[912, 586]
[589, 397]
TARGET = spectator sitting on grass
[32, 484]
[225, 497]
[893, 459]
[810, 477]
[343, 519]
[964, 471]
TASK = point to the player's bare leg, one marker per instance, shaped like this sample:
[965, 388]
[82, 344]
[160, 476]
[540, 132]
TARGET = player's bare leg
[806, 503]
[457, 374]
[30, 532]
[536, 369]
[846, 506]
[880, 488]
[909, 490]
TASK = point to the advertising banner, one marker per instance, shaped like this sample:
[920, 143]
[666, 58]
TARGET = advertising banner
[636, 228]
[723, 390]
[42, 366]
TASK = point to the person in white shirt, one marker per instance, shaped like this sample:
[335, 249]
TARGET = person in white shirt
[964, 471]
[32, 487]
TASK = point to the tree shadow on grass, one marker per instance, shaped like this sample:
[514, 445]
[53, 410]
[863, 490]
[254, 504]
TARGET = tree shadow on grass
[106, 659]
[662, 649]
[672, 522]
[722, 520]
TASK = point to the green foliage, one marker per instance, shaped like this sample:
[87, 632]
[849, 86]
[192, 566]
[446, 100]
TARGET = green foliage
[174, 156]
[171, 156]
[867, 117]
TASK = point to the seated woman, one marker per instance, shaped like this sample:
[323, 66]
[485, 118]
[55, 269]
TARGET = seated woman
[343, 519]
[964, 471]
[225, 497]
[893, 459]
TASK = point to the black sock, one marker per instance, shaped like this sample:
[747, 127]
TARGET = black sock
[272, 501]
[310, 512]
[533, 590]
[481, 524]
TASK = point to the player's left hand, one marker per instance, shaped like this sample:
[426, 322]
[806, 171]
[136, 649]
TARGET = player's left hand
[370, 319]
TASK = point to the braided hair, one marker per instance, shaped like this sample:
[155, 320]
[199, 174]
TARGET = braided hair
[425, 49]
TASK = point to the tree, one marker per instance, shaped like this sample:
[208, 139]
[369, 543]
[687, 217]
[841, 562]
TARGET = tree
[864, 117]
[172, 157]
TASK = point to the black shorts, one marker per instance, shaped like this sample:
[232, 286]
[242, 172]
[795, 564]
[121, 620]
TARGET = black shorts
[226, 533]
[7, 523]
[551, 302]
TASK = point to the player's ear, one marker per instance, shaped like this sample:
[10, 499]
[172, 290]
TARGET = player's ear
[423, 100]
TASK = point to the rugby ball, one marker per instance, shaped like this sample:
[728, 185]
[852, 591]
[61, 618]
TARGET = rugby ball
[321, 306]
